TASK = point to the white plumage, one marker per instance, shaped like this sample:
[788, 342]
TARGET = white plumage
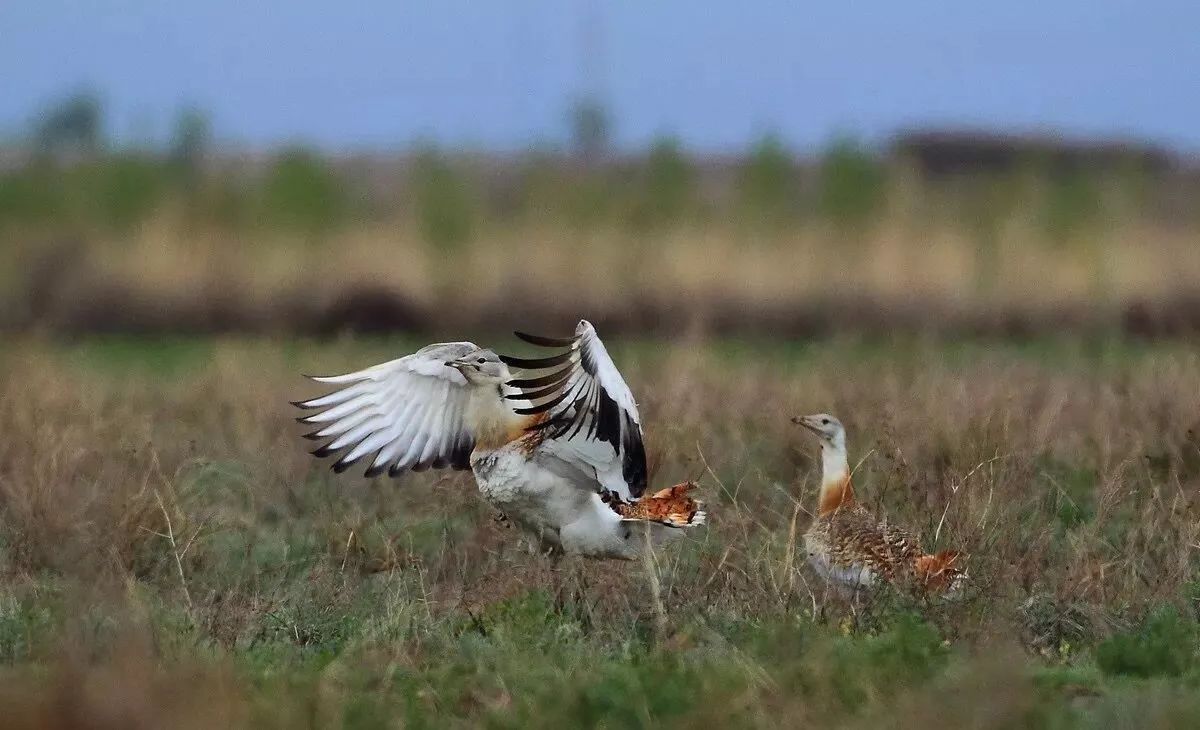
[409, 412]
[559, 450]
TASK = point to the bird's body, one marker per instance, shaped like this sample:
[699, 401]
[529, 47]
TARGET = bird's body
[852, 548]
[560, 453]
[527, 484]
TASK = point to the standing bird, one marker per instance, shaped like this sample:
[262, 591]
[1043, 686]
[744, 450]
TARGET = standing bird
[559, 449]
[849, 547]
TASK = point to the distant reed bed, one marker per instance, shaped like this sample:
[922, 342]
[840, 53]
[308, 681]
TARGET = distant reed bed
[917, 237]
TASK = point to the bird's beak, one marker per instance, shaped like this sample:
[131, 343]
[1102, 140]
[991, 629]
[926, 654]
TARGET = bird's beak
[808, 422]
[463, 364]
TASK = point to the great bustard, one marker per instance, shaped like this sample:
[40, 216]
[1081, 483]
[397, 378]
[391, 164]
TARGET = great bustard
[850, 547]
[558, 449]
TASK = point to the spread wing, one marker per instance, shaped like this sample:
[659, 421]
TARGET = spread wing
[407, 413]
[589, 409]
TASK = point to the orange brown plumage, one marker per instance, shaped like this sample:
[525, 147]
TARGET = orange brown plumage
[671, 506]
[939, 572]
[835, 496]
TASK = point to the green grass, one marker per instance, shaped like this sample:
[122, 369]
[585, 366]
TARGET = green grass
[295, 598]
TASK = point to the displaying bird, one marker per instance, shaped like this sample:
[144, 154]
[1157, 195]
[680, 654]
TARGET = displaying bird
[850, 547]
[558, 450]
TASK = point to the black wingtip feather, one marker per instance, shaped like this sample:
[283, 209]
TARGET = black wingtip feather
[541, 408]
[535, 394]
[313, 435]
[635, 470]
[553, 378]
[323, 451]
[543, 341]
[375, 471]
[536, 363]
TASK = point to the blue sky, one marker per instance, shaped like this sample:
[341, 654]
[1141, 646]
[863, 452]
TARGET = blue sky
[501, 73]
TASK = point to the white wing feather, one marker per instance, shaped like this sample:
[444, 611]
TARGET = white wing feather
[407, 412]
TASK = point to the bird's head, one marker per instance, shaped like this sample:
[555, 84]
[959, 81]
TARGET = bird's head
[481, 367]
[827, 428]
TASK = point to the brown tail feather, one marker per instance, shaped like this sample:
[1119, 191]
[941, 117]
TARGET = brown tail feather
[671, 506]
[939, 572]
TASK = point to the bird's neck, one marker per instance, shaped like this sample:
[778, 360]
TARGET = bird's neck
[836, 489]
[491, 419]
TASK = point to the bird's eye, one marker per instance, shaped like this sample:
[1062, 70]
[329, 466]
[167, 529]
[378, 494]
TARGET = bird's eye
[481, 361]
[824, 421]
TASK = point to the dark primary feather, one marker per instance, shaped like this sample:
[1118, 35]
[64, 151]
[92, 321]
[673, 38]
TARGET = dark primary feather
[555, 378]
[578, 402]
[543, 341]
[541, 408]
[536, 363]
[633, 467]
[532, 393]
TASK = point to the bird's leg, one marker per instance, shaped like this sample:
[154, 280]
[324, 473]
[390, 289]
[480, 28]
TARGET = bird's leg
[564, 581]
[854, 608]
[581, 582]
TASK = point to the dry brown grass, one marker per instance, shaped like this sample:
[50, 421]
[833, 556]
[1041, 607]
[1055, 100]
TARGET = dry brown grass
[902, 273]
[184, 505]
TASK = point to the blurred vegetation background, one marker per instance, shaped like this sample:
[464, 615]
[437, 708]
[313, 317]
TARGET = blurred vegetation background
[1005, 320]
[173, 557]
[936, 231]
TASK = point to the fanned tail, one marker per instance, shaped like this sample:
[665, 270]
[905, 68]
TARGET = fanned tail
[941, 573]
[671, 507]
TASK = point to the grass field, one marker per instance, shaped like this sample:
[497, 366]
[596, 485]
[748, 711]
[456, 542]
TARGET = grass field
[172, 557]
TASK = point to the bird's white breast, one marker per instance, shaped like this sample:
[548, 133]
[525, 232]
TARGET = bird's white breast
[549, 505]
[513, 482]
[501, 474]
